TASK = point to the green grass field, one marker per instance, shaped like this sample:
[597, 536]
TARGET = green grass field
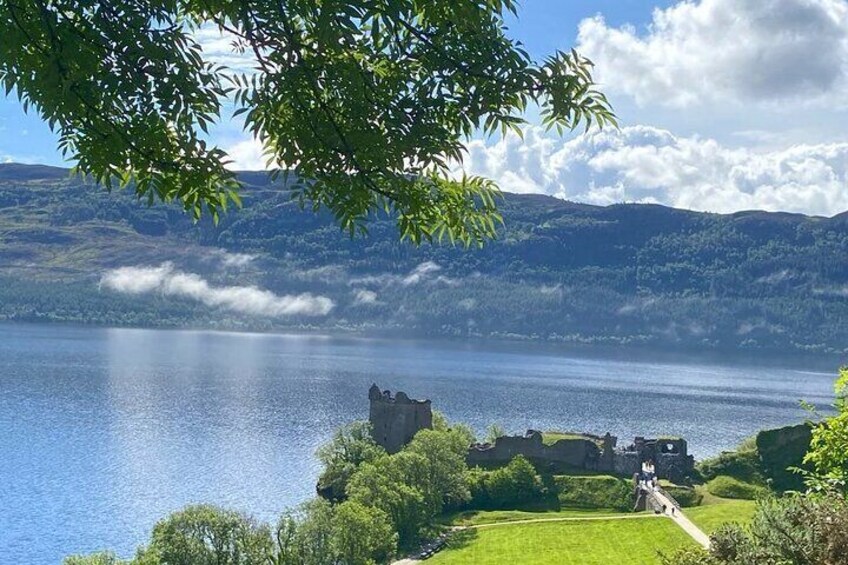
[591, 542]
[551, 437]
[709, 517]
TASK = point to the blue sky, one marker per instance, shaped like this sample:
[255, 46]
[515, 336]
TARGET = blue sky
[724, 104]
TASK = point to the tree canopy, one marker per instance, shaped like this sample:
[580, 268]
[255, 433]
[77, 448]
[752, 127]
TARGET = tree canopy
[370, 102]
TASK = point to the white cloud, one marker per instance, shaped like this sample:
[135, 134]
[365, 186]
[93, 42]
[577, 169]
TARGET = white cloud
[724, 51]
[218, 48]
[244, 299]
[362, 296]
[651, 165]
[421, 272]
[247, 155]
[137, 280]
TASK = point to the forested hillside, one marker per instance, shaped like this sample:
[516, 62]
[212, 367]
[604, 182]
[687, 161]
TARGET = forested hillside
[560, 272]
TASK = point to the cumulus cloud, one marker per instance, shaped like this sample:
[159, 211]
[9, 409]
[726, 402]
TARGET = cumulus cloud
[247, 155]
[651, 165]
[168, 281]
[720, 50]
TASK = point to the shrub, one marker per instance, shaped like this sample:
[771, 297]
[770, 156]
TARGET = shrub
[794, 529]
[511, 486]
[685, 496]
[729, 487]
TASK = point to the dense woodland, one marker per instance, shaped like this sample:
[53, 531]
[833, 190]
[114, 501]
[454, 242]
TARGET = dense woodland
[559, 271]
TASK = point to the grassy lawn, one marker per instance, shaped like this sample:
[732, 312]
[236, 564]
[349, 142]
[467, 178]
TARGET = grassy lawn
[591, 542]
[475, 517]
[709, 517]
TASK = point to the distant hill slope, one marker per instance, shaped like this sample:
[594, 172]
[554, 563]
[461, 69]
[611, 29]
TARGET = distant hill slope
[561, 272]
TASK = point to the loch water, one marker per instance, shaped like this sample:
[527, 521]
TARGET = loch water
[104, 431]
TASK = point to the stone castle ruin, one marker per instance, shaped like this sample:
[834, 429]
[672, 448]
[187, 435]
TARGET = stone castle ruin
[587, 452]
[396, 419]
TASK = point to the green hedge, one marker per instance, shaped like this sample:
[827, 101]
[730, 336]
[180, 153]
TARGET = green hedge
[601, 491]
[729, 487]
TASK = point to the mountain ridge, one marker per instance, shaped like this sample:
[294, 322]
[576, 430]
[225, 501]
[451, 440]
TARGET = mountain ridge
[560, 271]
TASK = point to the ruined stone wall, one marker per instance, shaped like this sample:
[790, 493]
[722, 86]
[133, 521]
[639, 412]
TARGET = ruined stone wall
[564, 454]
[626, 463]
[396, 419]
[670, 457]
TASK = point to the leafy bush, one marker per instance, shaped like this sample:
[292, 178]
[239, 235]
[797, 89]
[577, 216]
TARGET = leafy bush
[828, 453]
[602, 491]
[795, 529]
[685, 496]
[729, 487]
[511, 486]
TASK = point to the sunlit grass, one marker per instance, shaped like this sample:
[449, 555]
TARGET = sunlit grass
[589, 542]
[719, 511]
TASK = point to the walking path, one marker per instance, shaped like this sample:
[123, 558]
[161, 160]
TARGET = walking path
[682, 521]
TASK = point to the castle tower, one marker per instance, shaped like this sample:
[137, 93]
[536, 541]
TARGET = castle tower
[396, 419]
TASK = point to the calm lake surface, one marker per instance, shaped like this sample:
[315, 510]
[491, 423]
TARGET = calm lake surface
[103, 431]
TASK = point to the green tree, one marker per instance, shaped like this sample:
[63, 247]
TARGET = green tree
[441, 477]
[362, 535]
[371, 101]
[388, 485]
[304, 536]
[508, 487]
[350, 446]
[828, 451]
[206, 535]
